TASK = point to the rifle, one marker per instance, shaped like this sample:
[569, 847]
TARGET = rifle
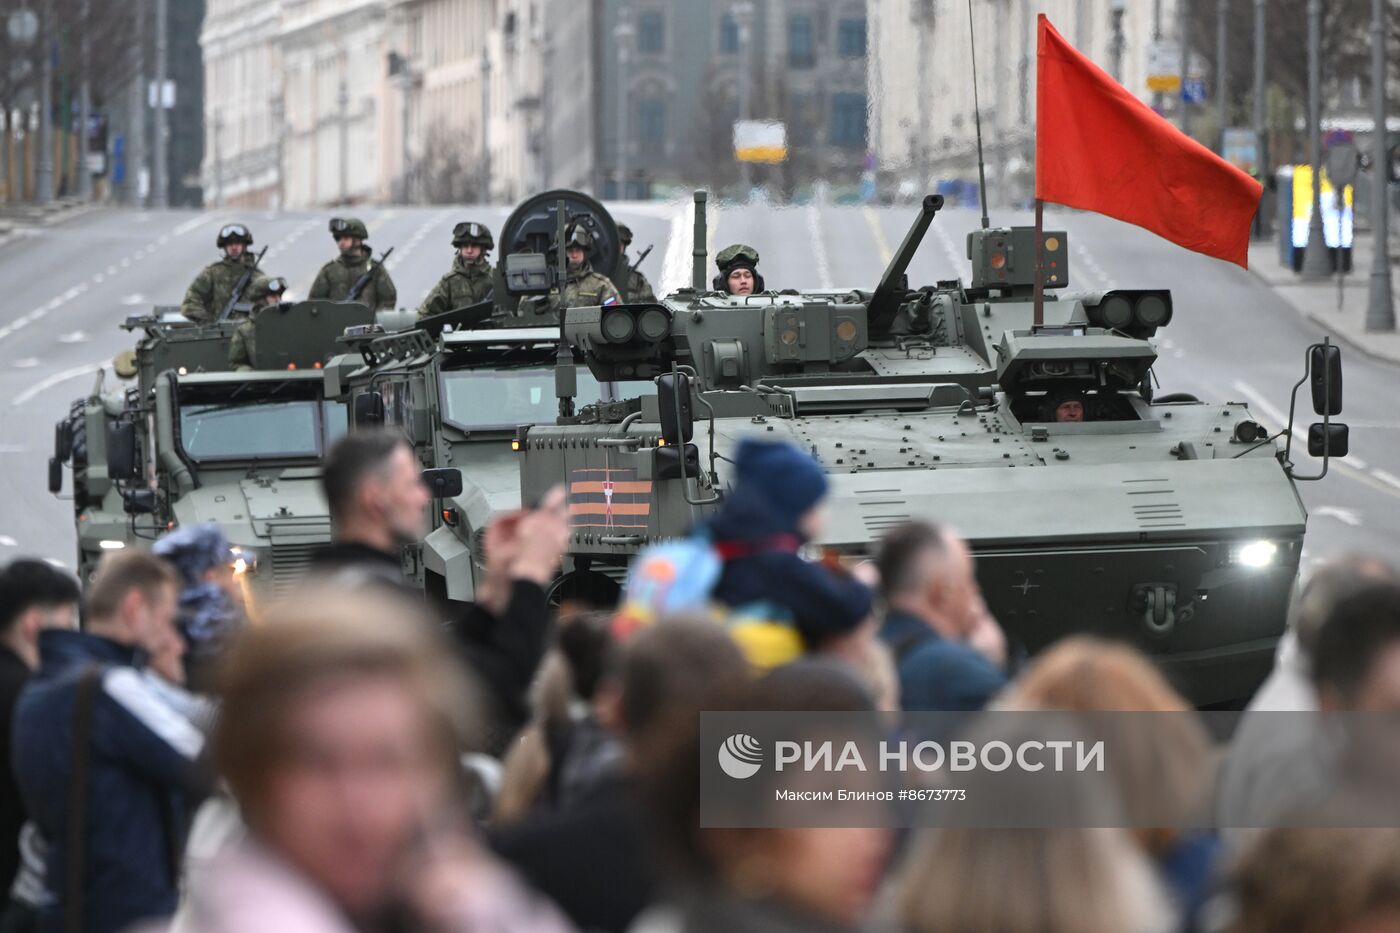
[241, 285]
[363, 280]
[646, 252]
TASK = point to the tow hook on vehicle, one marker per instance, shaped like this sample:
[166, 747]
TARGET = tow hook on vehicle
[1157, 603]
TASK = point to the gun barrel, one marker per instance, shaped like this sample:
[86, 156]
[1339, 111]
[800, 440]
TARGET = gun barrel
[885, 301]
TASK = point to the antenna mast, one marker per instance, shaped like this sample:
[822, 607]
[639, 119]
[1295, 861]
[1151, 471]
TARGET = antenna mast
[977, 117]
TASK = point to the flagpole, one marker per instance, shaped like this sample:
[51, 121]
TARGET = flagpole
[1039, 262]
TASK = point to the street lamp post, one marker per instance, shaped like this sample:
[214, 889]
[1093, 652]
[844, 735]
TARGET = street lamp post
[743, 18]
[342, 101]
[278, 108]
[1380, 306]
[1260, 129]
[1222, 66]
[622, 33]
[1117, 8]
[1316, 264]
[1183, 32]
[219, 157]
[160, 181]
[43, 176]
[84, 111]
[485, 125]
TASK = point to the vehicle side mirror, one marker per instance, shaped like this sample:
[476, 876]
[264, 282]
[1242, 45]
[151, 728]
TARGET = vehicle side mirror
[121, 451]
[1325, 367]
[63, 441]
[673, 399]
[444, 482]
[55, 475]
[1329, 440]
[367, 411]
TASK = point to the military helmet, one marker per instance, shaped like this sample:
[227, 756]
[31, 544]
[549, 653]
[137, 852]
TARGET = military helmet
[624, 233]
[737, 256]
[469, 233]
[349, 226]
[577, 235]
[234, 233]
[264, 287]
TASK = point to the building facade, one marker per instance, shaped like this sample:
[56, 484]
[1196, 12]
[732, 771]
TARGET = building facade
[243, 110]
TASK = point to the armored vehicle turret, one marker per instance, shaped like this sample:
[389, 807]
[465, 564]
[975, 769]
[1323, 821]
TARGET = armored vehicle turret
[1091, 506]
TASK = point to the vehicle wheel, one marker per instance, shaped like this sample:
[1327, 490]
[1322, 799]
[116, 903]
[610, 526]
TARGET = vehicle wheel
[586, 589]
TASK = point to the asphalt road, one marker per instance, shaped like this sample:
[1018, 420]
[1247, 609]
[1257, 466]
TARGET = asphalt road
[64, 290]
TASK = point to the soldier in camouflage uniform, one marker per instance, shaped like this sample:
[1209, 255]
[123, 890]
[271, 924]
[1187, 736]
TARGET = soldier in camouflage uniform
[583, 286]
[469, 282]
[638, 288]
[337, 277]
[264, 293]
[212, 288]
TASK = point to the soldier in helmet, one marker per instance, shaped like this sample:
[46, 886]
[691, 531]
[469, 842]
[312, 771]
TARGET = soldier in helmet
[469, 282]
[265, 293]
[583, 286]
[638, 288]
[738, 270]
[337, 277]
[212, 288]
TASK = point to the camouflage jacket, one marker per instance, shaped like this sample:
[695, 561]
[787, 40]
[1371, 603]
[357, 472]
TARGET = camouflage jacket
[337, 277]
[586, 287]
[241, 346]
[210, 290]
[467, 284]
[638, 288]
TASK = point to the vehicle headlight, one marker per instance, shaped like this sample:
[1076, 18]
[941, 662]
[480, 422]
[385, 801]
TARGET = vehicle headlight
[1253, 553]
[109, 544]
[243, 561]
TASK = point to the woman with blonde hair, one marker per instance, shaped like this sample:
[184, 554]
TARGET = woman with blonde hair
[343, 721]
[1162, 764]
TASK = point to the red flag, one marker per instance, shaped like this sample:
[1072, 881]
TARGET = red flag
[1099, 148]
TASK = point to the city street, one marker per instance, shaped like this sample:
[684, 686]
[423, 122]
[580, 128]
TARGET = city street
[67, 288]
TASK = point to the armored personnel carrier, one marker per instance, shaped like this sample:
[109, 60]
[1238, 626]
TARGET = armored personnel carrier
[1092, 506]
[460, 384]
[191, 440]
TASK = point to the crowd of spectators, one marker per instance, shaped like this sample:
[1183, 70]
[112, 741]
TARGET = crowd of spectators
[359, 758]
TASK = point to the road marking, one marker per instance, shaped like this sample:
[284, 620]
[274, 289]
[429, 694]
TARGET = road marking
[44, 385]
[29, 362]
[76, 336]
[13, 449]
[191, 224]
[955, 259]
[673, 265]
[134, 299]
[882, 245]
[814, 231]
[1092, 264]
[7, 541]
[1390, 479]
[56, 302]
[1345, 516]
[55, 563]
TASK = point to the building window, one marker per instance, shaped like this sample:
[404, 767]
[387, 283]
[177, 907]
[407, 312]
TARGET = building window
[651, 32]
[850, 38]
[802, 47]
[729, 35]
[651, 122]
[848, 120]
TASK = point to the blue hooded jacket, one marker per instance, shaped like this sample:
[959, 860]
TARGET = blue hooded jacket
[822, 602]
[142, 777]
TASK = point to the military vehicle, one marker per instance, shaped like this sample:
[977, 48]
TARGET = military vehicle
[190, 440]
[459, 385]
[1166, 521]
